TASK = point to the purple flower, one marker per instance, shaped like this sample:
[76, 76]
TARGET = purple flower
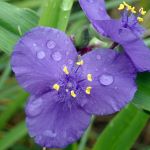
[66, 89]
[125, 31]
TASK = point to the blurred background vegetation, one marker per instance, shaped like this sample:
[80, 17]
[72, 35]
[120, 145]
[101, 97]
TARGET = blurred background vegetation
[128, 129]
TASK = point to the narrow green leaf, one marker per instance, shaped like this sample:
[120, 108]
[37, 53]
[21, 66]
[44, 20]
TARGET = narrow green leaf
[14, 135]
[123, 130]
[27, 3]
[50, 13]
[56, 13]
[64, 14]
[84, 139]
[5, 75]
[12, 108]
[13, 22]
[142, 97]
[7, 40]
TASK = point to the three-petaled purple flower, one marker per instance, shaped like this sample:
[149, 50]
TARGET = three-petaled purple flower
[125, 31]
[67, 89]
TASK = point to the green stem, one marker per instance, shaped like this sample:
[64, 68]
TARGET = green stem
[50, 13]
[64, 14]
[85, 136]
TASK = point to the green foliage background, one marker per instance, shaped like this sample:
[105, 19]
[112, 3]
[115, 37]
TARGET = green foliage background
[117, 132]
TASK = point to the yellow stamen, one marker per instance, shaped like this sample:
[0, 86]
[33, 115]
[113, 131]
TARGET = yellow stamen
[89, 77]
[88, 90]
[142, 11]
[66, 70]
[81, 62]
[121, 7]
[127, 5]
[133, 10]
[73, 94]
[140, 19]
[56, 87]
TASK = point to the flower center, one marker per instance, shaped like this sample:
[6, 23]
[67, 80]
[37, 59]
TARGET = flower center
[72, 84]
[131, 17]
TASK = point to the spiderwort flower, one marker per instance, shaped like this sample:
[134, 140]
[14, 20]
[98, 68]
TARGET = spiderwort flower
[66, 89]
[125, 31]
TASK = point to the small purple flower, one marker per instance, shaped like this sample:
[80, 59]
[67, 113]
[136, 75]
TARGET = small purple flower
[66, 89]
[125, 31]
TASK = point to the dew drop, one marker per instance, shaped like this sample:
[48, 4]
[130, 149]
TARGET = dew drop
[34, 44]
[56, 56]
[50, 133]
[40, 54]
[98, 57]
[34, 108]
[106, 79]
[51, 44]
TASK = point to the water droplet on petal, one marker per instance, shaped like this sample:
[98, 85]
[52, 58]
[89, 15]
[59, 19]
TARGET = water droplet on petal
[56, 56]
[35, 107]
[34, 44]
[106, 79]
[51, 44]
[40, 54]
[50, 133]
[98, 57]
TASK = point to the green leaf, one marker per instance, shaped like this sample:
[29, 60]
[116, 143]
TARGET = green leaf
[12, 108]
[56, 13]
[84, 139]
[123, 130]
[142, 97]
[50, 13]
[5, 75]
[14, 135]
[64, 14]
[13, 23]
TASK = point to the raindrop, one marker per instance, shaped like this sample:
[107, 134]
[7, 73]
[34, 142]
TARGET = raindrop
[106, 79]
[34, 44]
[51, 44]
[35, 107]
[98, 57]
[56, 56]
[40, 54]
[50, 133]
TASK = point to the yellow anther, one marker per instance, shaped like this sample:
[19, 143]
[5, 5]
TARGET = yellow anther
[121, 7]
[142, 11]
[140, 19]
[133, 10]
[88, 90]
[127, 5]
[65, 69]
[73, 94]
[56, 87]
[81, 62]
[89, 77]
